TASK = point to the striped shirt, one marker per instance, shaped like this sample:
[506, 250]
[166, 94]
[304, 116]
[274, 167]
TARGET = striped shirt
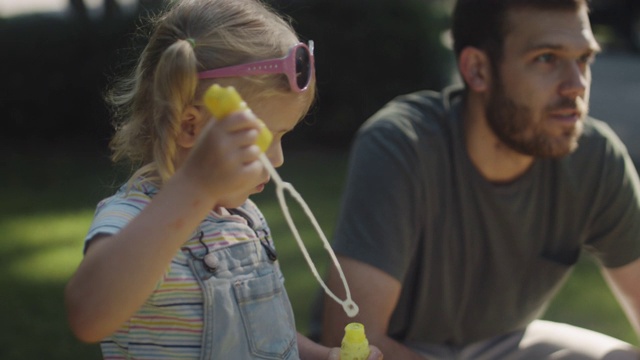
[169, 324]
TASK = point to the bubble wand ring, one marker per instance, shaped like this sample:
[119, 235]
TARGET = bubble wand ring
[348, 305]
[221, 102]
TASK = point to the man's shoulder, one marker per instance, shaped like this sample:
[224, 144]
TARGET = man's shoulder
[424, 111]
[599, 150]
[425, 102]
[596, 128]
[599, 136]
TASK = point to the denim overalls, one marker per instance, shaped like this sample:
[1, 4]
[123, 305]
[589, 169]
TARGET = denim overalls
[247, 313]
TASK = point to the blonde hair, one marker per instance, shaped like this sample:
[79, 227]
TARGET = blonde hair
[188, 37]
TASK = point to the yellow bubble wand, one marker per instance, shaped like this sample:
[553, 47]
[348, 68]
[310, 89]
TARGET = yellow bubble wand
[223, 101]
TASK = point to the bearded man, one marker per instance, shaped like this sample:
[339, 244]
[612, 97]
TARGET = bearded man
[464, 211]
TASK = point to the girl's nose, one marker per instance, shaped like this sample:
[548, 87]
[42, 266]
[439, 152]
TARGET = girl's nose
[274, 153]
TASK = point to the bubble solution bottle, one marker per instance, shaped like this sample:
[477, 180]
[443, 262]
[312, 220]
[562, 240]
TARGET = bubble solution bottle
[355, 345]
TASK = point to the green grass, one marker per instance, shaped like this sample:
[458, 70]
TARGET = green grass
[47, 205]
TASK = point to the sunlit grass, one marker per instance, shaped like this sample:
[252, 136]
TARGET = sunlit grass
[586, 301]
[48, 246]
[39, 252]
[47, 204]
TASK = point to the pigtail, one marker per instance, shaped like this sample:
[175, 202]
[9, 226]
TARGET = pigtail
[174, 87]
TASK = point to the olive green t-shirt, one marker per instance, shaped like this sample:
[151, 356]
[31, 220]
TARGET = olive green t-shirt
[478, 259]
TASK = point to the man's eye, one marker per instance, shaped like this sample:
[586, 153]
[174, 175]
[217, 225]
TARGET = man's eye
[545, 58]
[587, 59]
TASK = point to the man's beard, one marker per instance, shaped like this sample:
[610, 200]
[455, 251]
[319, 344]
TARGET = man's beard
[515, 126]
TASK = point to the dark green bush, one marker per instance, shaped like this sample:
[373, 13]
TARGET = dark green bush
[55, 68]
[368, 52]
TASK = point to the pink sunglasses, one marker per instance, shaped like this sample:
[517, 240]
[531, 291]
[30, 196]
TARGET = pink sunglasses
[298, 66]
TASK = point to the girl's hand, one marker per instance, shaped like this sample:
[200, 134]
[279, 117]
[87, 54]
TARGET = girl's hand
[225, 160]
[374, 354]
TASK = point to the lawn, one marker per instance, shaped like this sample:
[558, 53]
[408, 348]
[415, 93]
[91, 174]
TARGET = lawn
[47, 205]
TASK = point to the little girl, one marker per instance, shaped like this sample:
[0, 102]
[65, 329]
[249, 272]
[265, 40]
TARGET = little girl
[179, 263]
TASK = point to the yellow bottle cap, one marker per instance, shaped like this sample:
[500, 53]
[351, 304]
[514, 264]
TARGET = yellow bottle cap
[223, 101]
[354, 332]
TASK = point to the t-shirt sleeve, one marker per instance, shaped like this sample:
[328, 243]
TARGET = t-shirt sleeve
[614, 231]
[377, 222]
[113, 214]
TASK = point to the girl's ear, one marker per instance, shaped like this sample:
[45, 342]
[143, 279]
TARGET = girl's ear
[475, 69]
[190, 125]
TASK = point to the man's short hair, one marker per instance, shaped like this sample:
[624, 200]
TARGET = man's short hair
[482, 23]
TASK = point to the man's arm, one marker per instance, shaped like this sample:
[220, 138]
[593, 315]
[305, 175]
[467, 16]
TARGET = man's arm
[624, 281]
[376, 293]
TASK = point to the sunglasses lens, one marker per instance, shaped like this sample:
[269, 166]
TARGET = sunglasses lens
[303, 67]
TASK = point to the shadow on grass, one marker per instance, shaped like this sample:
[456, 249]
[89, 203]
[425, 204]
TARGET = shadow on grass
[34, 324]
[47, 204]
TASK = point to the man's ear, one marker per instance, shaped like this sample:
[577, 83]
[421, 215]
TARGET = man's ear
[475, 69]
[191, 123]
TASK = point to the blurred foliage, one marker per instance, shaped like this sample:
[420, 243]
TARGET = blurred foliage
[56, 67]
[622, 17]
[368, 52]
